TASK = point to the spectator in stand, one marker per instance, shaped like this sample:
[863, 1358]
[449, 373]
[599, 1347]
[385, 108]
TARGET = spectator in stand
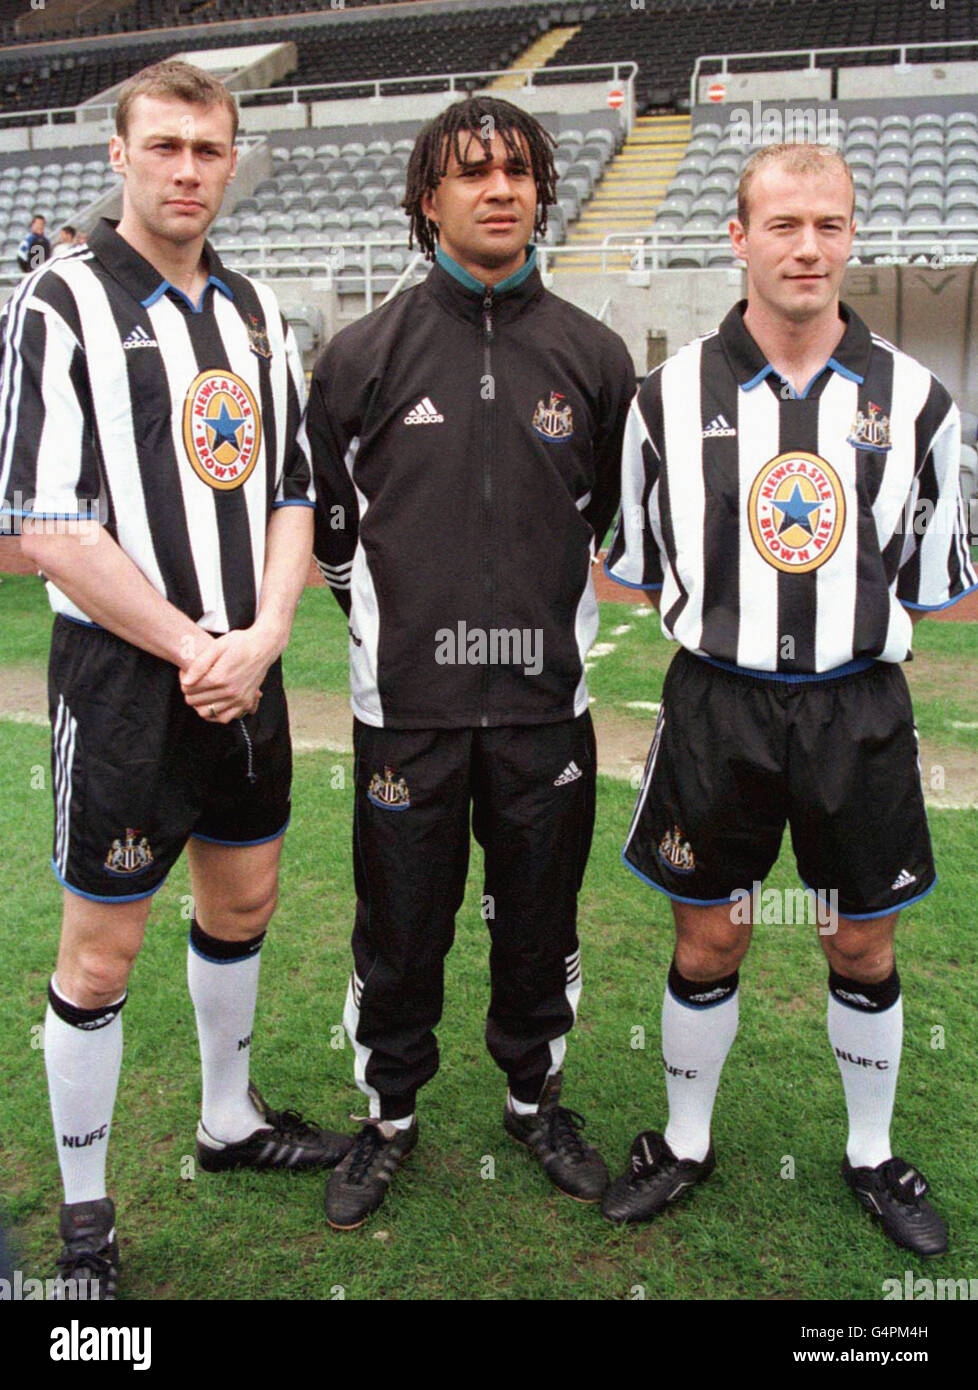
[35, 249]
[66, 241]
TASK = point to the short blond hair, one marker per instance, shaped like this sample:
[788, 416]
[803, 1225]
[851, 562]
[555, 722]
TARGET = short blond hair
[796, 159]
[180, 82]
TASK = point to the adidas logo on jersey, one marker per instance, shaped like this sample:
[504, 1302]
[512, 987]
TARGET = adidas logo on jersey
[424, 413]
[138, 338]
[570, 774]
[903, 880]
[719, 428]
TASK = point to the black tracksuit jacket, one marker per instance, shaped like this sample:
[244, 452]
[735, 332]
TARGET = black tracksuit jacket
[466, 450]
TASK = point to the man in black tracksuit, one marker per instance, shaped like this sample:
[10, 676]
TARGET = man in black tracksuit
[466, 439]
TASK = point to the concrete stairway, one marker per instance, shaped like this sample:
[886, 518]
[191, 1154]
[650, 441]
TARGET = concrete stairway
[633, 186]
[540, 51]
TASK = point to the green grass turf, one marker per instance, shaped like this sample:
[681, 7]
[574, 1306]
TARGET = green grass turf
[447, 1230]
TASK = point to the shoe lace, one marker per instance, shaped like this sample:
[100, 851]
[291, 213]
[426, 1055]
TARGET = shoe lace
[648, 1155]
[563, 1133]
[71, 1264]
[903, 1182]
[291, 1125]
[365, 1147]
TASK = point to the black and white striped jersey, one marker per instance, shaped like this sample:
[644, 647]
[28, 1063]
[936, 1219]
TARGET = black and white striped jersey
[788, 532]
[177, 426]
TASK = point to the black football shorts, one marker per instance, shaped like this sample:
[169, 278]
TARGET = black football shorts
[136, 771]
[735, 757]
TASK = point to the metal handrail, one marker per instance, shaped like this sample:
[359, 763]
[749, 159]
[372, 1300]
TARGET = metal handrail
[812, 53]
[624, 72]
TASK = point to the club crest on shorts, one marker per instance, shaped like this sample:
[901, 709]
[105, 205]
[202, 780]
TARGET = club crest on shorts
[388, 793]
[797, 512]
[870, 431]
[221, 429]
[676, 852]
[131, 857]
[555, 420]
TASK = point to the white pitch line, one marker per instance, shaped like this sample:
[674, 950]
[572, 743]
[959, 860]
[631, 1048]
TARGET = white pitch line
[643, 612]
[621, 630]
[964, 724]
[21, 716]
[602, 649]
[651, 705]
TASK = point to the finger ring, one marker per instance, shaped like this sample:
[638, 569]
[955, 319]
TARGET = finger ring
[213, 711]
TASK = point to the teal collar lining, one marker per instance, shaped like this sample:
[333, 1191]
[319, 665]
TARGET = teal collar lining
[471, 283]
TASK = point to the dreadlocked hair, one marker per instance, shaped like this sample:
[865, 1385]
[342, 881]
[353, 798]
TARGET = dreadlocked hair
[480, 117]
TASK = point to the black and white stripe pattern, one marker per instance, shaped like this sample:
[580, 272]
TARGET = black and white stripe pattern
[63, 757]
[689, 524]
[91, 427]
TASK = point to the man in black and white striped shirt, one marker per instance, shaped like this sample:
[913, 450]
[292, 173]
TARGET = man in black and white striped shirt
[152, 453]
[789, 493]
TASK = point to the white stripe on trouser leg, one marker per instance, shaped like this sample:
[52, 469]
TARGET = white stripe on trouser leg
[572, 993]
[361, 1054]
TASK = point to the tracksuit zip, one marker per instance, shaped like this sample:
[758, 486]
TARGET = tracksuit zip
[487, 444]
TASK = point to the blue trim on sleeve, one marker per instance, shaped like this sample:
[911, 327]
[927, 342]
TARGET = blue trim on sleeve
[885, 912]
[936, 607]
[627, 583]
[48, 516]
[98, 898]
[293, 502]
[241, 844]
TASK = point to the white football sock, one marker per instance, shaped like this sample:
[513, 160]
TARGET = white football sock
[82, 1059]
[867, 1048]
[695, 1041]
[224, 992]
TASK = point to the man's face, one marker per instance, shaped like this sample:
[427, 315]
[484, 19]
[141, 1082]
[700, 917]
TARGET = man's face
[37, 226]
[484, 209]
[798, 241]
[176, 160]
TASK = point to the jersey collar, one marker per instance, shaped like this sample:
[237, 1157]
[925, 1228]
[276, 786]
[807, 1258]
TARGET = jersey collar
[462, 294]
[750, 367]
[143, 280]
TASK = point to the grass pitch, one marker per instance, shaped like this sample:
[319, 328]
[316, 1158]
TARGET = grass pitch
[471, 1215]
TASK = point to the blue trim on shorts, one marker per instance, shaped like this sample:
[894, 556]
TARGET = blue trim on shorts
[693, 902]
[886, 911]
[241, 844]
[849, 668]
[292, 502]
[97, 897]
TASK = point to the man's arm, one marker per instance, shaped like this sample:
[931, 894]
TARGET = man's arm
[228, 675]
[103, 582]
[617, 392]
[936, 571]
[332, 434]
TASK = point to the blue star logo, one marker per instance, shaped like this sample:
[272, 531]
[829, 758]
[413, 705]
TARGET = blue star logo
[225, 428]
[796, 512]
